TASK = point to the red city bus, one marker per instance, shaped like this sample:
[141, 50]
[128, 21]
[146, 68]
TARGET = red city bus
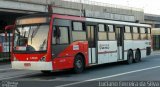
[58, 42]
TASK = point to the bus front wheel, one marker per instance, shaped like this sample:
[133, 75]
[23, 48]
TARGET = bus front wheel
[78, 64]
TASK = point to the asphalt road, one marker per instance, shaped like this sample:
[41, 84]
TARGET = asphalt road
[97, 76]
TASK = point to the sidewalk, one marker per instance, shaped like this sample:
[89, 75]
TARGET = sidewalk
[157, 52]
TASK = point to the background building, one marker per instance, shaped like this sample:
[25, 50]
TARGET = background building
[11, 9]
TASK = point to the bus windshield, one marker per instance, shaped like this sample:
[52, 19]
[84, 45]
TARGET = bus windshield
[31, 38]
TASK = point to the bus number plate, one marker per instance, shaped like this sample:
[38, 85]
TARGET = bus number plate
[27, 64]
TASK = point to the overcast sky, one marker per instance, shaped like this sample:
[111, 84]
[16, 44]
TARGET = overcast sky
[149, 6]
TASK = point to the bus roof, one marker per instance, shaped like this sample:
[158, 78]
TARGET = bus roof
[116, 22]
[91, 20]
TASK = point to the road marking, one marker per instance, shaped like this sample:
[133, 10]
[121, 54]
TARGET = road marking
[111, 76]
[156, 54]
[18, 76]
[5, 69]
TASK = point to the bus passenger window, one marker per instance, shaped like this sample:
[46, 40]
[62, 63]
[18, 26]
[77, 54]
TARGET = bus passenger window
[111, 29]
[136, 35]
[64, 38]
[60, 35]
[101, 27]
[77, 26]
[127, 33]
[111, 33]
[78, 33]
[143, 33]
[127, 29]
[102, 34]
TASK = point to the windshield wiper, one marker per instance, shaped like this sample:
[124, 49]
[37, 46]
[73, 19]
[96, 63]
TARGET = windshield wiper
[43, 44]
[34, 32]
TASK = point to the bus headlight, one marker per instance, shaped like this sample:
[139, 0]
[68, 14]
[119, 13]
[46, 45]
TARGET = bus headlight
[43, 58]
[14, 58]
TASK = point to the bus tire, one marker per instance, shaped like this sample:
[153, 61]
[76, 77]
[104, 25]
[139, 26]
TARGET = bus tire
[137, 56]
[130, 57]
[78, 64]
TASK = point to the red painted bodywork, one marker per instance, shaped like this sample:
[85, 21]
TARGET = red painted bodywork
[1, 47]
[29, 57]
[65, 59]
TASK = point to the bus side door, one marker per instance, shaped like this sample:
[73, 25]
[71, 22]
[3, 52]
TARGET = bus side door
[120, 42]
[91, 35]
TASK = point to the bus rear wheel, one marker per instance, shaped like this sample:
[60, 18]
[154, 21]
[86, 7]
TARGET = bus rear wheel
[78, 64]
[137, 56]
[129, 57]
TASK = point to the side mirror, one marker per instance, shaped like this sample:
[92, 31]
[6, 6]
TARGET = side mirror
[9, 27]
[57, 32]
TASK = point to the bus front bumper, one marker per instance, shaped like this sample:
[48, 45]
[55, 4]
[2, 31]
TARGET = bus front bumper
[28, 65]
